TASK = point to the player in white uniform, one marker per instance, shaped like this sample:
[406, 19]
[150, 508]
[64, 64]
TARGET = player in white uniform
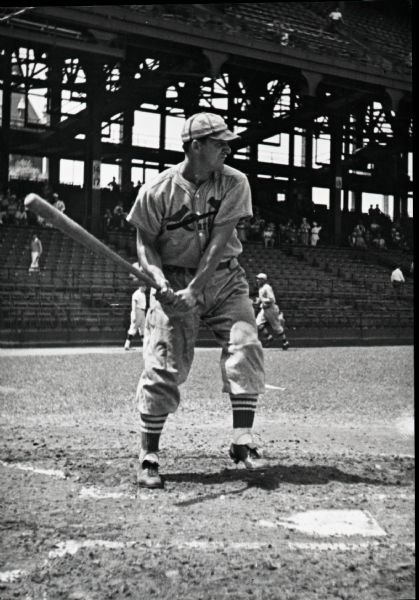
[187, 241]
[269, 313]
[138, 312]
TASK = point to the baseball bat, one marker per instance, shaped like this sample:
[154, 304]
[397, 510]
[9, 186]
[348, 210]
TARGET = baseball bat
[59, 220]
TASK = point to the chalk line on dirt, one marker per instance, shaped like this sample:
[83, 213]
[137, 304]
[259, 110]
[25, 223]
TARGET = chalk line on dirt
[28, 467]
[103, 494]
[11, 576]
[71, 547]
[274, 387]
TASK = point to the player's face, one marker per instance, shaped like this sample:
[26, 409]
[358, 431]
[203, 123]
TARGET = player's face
[213, 153]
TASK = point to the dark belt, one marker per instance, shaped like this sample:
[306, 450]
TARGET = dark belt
[231, 264]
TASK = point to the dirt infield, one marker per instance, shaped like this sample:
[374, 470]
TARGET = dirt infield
[332, 517]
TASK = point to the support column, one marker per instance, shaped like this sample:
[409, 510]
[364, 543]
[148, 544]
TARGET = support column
[95, 84]
[54, 78]
[5, 122]
[162, 135]
[336, 139]
[308, 164]
[127, 76]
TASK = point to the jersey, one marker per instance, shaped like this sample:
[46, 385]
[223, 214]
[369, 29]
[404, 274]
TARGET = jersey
[138, 303]
[266, 296]
[181, 215]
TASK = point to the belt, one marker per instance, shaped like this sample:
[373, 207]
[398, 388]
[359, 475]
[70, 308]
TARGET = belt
[231, 264]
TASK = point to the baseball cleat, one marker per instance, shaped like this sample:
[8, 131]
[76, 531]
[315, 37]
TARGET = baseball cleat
[148, 475]
[285, 345]
[251, 457]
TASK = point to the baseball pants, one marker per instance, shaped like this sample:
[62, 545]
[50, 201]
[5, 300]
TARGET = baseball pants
[137, 323]
[272, 316]
[169, 342]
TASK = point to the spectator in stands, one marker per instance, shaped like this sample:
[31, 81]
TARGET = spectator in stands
[138, 312]
[358, 236]
[4, 203]
[12, 209]
[36, 252]
[315, 233]
[21, 216]
[304, 231]
[242, 229]
[379, 241]
[256, 225]
[397, 280]
[269, 235]
[396, 236]
[371, 210]
[58, 203]
[375, 228]
[335, 20]
[107, 219]
[377, 211]
[291, 232]
[113, 185]
[119, 215]
[285, 38]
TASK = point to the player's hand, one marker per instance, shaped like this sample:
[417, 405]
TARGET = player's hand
[186, 299]
[165, 295]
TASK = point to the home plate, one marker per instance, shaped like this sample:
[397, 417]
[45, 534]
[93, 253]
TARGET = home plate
[274, 387]
[334, 522]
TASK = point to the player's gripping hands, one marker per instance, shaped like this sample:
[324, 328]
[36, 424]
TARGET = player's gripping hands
[176, 304]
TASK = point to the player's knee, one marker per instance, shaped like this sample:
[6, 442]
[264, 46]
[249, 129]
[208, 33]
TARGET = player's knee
[243, 333]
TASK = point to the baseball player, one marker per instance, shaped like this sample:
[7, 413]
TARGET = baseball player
[138, 312]
[269, 312]
[36, 252]
[187, 242]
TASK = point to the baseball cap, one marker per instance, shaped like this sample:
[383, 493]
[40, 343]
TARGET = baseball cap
[205, 123]
[262, 276]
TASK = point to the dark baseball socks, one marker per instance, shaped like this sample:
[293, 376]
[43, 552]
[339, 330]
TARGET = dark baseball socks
[151, 427]
[244, 408]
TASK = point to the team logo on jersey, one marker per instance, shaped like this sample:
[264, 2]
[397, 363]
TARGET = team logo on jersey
[184, 218]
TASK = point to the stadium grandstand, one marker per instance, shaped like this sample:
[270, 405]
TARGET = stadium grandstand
[92, 101]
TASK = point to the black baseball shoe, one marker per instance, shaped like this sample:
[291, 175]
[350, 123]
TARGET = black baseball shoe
[285, 345]
[251, 457]
[148, 475]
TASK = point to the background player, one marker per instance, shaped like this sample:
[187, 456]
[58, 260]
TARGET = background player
[186, 222]
[138, 313]
[269, 312]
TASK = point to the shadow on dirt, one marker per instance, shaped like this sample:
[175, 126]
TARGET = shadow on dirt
[271, 479]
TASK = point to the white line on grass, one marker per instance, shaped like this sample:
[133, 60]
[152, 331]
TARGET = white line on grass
[27, 467]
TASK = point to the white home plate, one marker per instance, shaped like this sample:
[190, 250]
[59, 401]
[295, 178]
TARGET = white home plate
[334, 522]
[406, 426]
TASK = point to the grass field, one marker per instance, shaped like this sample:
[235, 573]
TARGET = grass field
[332, 517]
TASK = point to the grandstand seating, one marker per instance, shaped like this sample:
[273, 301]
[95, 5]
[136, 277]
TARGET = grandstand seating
[324, 292]
[370, 37]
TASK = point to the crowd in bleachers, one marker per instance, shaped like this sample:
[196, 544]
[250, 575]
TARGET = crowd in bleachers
[373, 230]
